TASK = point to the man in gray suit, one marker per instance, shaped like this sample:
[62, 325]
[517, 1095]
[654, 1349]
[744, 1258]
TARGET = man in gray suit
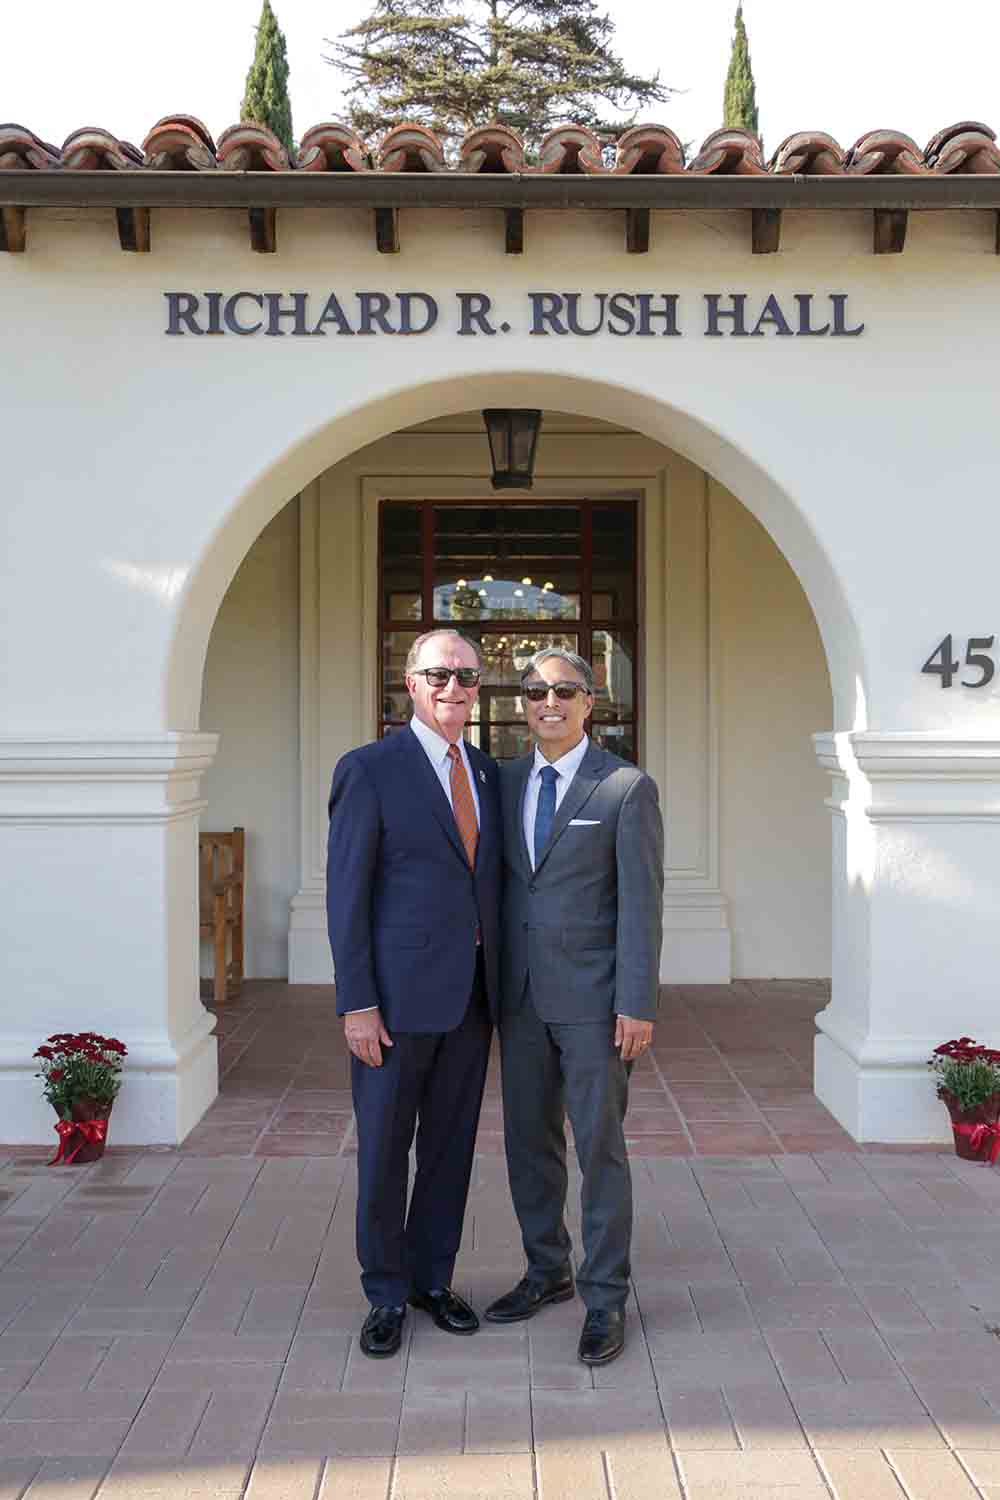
[583, 924]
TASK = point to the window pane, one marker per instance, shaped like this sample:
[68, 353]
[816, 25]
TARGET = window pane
[613, 676]
[508, 740]
[396, 705]
[395, 645]
[506, 655]
[614, 562]
[618, 738]
[507, 562]
[401, 564]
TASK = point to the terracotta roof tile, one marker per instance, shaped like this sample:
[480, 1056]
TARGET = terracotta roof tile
[494, 148]
[570, 150]
[881, 152]
[411, 148]
[648, 149]
[808, 152]
[22, 151]
[179, 143]
[92, 149]
[968, 146]
[249, 147]
[730, 152]
[182, 143]
[331, 147]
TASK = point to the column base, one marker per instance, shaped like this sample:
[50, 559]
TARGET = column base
[697, 947]
[888, 1101]
[309, 959]
[164, 1094]
[696, 941]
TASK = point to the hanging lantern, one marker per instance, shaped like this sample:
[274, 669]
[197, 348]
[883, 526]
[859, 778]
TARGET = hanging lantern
[513, 435]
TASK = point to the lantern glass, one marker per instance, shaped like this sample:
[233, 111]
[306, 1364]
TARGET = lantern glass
[513, 438]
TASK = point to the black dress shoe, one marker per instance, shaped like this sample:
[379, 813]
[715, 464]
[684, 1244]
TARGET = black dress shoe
[448, 1310]
[382, 1332]
[603, 1336]
[529, 1296]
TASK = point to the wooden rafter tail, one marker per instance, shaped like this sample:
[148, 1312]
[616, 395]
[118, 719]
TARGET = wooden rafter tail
[637, 231]
[387, 231]
[889, 230]
[765, 231]
[13, 235]
[133, 229]
[514, 231]
[263, 230]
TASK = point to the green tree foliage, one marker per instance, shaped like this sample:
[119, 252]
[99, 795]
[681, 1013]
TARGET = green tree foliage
[527, 64]
[265, 98]
[739, 105]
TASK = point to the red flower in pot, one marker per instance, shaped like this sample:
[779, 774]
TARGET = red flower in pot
[81, 1072]
[969, 1085]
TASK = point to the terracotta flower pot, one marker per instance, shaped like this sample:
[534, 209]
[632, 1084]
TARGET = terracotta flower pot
[973, 1143]
[87, 1142]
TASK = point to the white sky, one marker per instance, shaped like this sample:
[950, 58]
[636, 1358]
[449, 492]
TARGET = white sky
[844, 66]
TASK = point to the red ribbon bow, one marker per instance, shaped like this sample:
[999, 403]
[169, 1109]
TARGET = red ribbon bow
[89, 1131]
[977, 1134]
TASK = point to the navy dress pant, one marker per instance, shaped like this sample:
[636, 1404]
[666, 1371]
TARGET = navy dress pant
[430, 1083]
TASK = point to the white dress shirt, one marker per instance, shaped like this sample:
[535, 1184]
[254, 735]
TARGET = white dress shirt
[436, 748]
[566, 767]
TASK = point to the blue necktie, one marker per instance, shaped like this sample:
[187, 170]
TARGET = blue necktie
[545, 812]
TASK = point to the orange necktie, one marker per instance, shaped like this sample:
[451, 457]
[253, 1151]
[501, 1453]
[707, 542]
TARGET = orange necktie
[462, 805]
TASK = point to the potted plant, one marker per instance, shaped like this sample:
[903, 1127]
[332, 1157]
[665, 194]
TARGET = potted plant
[82, 1075]
[969, 1084]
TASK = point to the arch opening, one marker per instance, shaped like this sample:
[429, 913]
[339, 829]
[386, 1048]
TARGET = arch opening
[784, 518]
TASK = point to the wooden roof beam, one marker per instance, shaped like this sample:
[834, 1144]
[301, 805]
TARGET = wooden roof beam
[13, 237]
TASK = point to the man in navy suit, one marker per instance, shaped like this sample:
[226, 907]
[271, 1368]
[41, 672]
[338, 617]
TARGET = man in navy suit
[413, 893]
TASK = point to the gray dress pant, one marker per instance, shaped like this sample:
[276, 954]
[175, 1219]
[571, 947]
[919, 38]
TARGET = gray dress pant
[549, 1071]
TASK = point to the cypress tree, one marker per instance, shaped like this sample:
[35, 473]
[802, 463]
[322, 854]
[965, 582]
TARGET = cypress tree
[739, 105]
[527, 64]
[265, 98]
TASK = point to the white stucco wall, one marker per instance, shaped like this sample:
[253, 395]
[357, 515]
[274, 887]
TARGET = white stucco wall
[773, 827]
[251, 700]
[139, 470]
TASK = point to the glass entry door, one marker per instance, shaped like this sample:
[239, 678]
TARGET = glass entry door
[515, 576]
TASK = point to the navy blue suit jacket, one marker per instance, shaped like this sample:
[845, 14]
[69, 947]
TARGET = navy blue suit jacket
[403, 906]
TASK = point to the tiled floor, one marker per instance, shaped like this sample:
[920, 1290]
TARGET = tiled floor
[801, 1328]
[824, 1326]
[730, 1071]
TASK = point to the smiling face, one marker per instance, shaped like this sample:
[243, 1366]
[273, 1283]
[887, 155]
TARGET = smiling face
[557, 724]
[443, 709]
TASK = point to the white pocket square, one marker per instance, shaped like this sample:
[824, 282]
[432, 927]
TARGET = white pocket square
[584, 822]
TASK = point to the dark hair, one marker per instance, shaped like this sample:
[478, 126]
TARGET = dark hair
[553, 653]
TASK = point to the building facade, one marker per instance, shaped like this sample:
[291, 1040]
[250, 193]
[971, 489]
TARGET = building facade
[245, 462]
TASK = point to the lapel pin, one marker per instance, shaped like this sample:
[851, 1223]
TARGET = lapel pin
[482, 777]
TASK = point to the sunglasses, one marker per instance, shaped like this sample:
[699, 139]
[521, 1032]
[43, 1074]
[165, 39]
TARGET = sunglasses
[537, 692]
[467, 677]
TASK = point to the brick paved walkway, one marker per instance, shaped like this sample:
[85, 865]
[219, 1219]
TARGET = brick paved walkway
[803, 1327]
[730, 1071]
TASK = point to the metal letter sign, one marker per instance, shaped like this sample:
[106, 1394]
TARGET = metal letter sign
[941, 662]
[542, 314]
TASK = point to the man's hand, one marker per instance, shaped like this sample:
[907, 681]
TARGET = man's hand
[633, 1037]
[366, 1036]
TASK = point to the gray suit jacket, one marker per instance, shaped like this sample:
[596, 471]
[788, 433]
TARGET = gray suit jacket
[586, 926]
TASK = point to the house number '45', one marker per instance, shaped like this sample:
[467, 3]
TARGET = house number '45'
[941, 662]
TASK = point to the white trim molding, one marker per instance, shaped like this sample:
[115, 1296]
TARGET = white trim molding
[678, 732]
